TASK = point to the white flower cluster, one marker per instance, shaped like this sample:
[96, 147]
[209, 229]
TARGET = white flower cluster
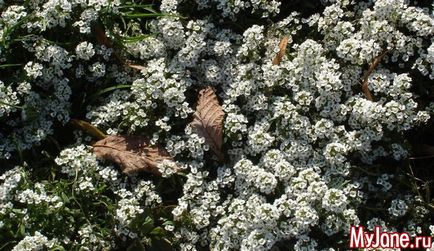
[228, 8]
[132, 205]
[13, 14]
[425, 63]
[88, 176]
[35, 242]
[10, 181]
[295, 128]
[89, 238]
[33, 104]
[9, 100]
[85, 50]
[398, 208]
[38, 196]
[77, 159]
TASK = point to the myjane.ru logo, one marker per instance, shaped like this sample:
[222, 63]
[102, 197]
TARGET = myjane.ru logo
[378, 239]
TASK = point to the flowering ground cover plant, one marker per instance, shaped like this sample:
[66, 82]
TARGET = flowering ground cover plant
[214, 124]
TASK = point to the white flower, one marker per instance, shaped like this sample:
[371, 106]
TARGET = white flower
[33, 69]
[334, 200]
[84, 50]
[36, 242]
[98, 69]
[398, 208]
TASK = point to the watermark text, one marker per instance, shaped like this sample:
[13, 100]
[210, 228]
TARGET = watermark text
[377, 239]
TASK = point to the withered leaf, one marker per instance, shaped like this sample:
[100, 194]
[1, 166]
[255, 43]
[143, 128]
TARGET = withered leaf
[87, 127]
[132, 153]
[375, 62]
[282, 50]
[208, 121]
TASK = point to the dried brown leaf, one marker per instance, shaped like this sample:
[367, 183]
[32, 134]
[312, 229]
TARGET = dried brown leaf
[132, 153]
[282, 50]
[208, 121]
[365, 86]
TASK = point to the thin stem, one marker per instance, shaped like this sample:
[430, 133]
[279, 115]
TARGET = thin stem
[15, 106]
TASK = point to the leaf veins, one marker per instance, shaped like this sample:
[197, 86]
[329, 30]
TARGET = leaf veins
[208, 121]
[132, 153]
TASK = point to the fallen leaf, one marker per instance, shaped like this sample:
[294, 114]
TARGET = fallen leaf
[208, 121]
[282, 50]
[132, 153]
[375, 62]
[87, 127]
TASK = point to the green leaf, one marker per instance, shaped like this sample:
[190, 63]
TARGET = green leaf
[147, 225]
[58, 248]
[9, 65]
[108, 89]
[158, 231]
[168, 223]
[147, 7]
[64, 197]
[101, 187]
[22, 230]
[135, 39]
[141, 15]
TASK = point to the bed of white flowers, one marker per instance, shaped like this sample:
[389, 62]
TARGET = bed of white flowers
[307, 153]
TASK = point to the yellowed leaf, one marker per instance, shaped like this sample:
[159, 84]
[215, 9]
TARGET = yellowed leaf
[282, 50]
[87, 127]
[208, 121]
[132, 153]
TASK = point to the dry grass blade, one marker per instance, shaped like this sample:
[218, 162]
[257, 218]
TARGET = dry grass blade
[282, 50]
[137, 67]
[422, 151]
[208, 121]
[375, 62]
[132, 153]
